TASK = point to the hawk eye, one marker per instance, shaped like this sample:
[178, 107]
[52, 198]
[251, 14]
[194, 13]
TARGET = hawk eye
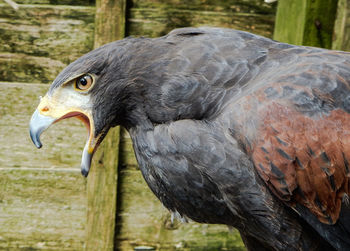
[83, 83]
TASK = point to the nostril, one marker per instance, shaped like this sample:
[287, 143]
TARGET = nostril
[45, 109]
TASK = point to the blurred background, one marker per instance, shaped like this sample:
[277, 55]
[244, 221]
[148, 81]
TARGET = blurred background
[45, 203]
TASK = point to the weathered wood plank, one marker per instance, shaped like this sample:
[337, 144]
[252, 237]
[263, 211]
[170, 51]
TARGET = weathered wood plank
[319, 23]
[58, 2]
[341, 35]
[103, 179]
[234, 6]
[305, 22]
[21, 68]
[290, 21]
[154, 22]
[37, 41]
[41, 210]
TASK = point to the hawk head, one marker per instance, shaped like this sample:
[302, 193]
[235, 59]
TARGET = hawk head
[94, 89]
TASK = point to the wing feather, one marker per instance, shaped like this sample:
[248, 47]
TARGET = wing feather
[302, 158]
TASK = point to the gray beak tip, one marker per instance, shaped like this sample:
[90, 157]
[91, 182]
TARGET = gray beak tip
[84, 172]
[35, 139]
[86, 161]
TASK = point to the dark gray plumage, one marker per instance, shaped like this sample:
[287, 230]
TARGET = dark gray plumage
[233, 128]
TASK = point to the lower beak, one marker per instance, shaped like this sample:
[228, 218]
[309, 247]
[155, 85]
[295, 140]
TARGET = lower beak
[39, 123]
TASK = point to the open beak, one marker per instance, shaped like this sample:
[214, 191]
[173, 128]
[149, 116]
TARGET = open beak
[47, 114]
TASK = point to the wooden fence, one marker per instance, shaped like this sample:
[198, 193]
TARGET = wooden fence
[43, 200]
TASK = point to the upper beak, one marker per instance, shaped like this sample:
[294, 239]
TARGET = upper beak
[38, 124]
[46, 115]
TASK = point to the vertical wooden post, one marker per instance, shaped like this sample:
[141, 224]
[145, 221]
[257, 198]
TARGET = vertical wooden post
[103, 177]
[341, 36]
[109, 21]
[306, 22]
[102, 195]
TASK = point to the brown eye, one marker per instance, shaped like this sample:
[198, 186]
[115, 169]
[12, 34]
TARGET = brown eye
[83, 83]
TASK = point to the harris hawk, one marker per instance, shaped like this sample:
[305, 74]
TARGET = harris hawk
[228, 127]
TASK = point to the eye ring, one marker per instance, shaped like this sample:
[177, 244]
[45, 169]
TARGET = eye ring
[84, 82]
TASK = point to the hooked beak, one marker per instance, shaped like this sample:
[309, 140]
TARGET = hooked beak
[38, 124]
[46, 115]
